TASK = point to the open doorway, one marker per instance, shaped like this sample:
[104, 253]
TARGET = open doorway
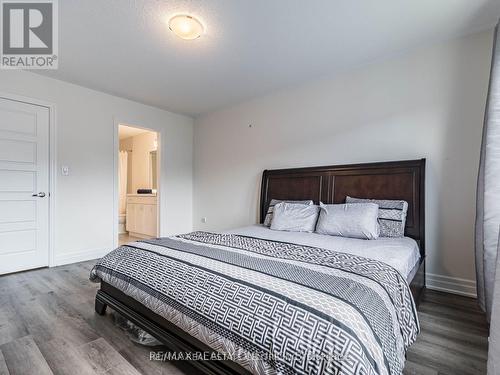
[137, 184]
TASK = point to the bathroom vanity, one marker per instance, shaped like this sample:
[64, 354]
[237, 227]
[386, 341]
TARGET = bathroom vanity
[142, 217]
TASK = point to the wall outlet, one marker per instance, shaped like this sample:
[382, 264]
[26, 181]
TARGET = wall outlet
[65, 170]
[203, 220]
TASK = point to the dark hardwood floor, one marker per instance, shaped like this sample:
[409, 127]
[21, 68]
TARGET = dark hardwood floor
[48, 326]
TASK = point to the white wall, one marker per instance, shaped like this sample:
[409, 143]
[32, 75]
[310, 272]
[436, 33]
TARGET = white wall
[85, 121]
[141, 146]
[427, 103]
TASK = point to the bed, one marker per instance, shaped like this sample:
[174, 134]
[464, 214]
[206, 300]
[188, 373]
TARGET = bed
[253, 300]
[401, 253]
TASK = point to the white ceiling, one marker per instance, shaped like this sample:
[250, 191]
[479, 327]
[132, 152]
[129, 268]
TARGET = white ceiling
[125, 131]
[251, 47]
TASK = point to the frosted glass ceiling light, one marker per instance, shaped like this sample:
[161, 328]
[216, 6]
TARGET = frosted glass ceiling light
[186, 27]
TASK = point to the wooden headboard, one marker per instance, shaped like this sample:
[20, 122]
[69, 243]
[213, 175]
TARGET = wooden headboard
[331, 184]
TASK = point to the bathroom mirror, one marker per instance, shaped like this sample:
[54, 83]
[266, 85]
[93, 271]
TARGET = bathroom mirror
[153, 170]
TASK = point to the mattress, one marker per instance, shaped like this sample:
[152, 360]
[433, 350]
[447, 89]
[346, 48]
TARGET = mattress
[400, 253]
[272, 306]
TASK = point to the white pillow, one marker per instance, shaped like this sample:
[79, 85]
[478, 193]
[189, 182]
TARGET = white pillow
[294, 217]
[356, 220]
[274, 202]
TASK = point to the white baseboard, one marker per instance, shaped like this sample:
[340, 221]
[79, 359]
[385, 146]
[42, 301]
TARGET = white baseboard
[80, 256]
[453, 285]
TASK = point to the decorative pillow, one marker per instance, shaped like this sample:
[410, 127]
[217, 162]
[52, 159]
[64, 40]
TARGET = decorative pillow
[391, 215]
[294, 217]
[349, 220]
[274, 202]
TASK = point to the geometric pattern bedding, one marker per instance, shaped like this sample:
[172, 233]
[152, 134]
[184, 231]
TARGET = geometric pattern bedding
[273, 307]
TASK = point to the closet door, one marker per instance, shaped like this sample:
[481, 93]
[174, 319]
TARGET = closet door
[24, 186]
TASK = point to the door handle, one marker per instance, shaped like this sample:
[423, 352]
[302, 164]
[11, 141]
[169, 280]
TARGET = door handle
[40, 194]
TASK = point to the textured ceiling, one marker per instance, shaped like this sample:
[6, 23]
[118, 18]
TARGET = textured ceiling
[251, 47]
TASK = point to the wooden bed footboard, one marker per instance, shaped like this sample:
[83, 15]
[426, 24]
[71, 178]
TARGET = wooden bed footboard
[164, 331]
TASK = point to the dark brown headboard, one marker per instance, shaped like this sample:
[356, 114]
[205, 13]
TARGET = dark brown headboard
[331, 184]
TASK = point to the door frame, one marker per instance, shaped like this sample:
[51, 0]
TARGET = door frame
[52, 163]
[117, 121]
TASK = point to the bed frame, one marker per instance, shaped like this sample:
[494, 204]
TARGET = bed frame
[331, 184]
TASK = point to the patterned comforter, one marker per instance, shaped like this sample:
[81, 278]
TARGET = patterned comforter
[272, 307]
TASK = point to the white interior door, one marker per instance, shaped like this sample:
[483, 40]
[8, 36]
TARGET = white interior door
[24, 186]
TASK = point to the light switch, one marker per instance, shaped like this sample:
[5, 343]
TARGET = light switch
[65, 170]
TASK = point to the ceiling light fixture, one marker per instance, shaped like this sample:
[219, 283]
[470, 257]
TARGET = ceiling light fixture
[186, 27]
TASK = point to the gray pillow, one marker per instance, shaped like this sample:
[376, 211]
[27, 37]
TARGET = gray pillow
[294, 217]
[391, 215]
[274, 202]
[349, 220]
